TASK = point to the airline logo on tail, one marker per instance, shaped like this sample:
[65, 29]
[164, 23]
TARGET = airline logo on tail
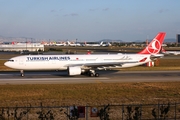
[155, 46]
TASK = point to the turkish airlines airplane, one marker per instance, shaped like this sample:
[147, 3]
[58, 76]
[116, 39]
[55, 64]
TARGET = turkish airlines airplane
[170, 52]
[87, 64]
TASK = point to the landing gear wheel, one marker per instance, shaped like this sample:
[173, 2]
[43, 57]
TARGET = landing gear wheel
[22, 73]
[91, 74]
[97, 75]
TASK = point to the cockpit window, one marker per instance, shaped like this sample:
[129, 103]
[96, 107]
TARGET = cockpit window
[11, 60]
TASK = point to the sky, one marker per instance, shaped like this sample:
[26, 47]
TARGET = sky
[89, 20]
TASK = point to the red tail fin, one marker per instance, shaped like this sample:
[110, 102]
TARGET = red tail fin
[155, 45]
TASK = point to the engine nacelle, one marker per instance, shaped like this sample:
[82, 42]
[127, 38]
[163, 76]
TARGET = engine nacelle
[74, 70]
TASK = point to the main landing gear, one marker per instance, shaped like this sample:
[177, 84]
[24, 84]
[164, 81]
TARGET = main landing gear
[22, 73]
[92, 73]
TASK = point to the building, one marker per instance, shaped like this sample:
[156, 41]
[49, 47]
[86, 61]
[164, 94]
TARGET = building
[178, 38]
[22, 47]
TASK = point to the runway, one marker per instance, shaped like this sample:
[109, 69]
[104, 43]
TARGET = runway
[61, 77]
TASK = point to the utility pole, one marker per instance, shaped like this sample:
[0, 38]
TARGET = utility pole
[26, 44]
[31, 45]
[76, 41]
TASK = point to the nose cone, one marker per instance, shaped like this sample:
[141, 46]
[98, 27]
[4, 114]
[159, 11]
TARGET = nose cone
[6, 64]
[9, 64]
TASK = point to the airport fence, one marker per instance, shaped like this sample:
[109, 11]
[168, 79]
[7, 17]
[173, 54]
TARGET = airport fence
[168, 111]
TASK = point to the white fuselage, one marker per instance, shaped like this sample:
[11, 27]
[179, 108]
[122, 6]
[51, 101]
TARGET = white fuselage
[61, 62]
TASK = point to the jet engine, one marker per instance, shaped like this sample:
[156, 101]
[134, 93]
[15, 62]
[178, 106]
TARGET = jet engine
[74, 70]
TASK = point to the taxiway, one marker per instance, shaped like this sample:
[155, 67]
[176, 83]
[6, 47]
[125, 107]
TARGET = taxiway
[61, 77]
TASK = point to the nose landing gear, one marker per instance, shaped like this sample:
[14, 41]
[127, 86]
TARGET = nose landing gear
[22, 73]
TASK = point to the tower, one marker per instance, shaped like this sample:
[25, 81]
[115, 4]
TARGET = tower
[178, 38]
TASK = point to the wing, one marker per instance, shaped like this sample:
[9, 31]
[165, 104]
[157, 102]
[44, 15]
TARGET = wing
[100, 64]
[155, 56]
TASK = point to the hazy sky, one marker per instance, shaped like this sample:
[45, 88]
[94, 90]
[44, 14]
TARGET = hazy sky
[89, 20]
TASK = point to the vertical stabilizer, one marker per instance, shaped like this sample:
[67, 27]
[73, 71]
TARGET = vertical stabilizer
[154, 47]
[101, 43]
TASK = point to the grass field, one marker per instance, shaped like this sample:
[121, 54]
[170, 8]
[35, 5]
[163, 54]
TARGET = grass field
[89, 94]
[93, 94]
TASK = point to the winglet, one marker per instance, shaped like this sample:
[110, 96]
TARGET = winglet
[155, 45]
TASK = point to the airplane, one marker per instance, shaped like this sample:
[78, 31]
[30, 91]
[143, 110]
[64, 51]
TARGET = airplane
[88, 63]
[73, 44]
[106, 45]
[94, 45]
[170, 52]
[60, 44]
